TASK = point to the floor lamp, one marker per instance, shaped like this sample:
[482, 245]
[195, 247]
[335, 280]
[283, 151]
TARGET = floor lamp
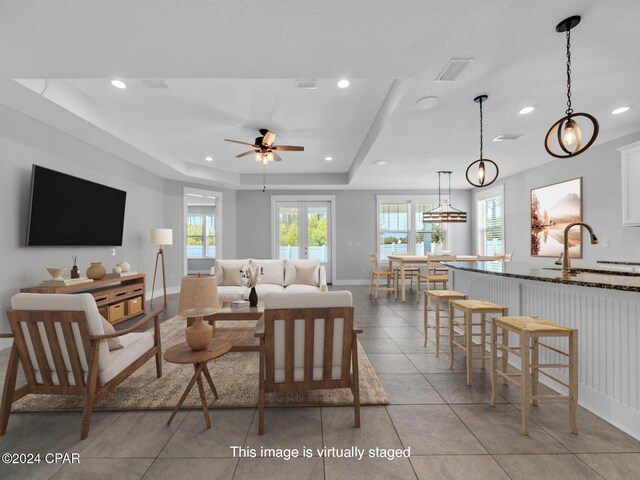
[161, 237]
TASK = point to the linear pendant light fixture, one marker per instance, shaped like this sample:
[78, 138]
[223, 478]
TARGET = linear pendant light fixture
[482, 162]
[567, 130]
[444, 213]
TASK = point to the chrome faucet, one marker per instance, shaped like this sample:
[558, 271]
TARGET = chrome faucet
[566, 261]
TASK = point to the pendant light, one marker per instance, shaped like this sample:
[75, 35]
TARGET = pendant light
[567, 130]
[444, 213]
[481, 174]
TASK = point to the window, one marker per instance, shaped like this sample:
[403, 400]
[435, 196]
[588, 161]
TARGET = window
[490, 224]
[400, 227]
[201, 236]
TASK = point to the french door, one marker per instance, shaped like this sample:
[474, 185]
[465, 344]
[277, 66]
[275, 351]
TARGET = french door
[303, 231]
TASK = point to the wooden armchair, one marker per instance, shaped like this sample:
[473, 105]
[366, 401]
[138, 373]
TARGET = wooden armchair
[308, 342]
[60, 341]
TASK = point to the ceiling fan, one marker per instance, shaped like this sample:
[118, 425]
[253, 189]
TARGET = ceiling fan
[264, 147]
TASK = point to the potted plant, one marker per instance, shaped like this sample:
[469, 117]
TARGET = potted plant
[437, 239]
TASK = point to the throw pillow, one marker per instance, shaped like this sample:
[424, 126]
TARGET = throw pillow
[231, 276]
[113, 343]
[306, 275]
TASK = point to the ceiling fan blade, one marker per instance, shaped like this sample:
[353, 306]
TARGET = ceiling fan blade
[290, 148]
[276, 157]
[247, 153]
[268, 139]
[242, 143]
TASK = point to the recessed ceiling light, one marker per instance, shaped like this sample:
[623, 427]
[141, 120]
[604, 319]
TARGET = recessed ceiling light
[118, 84]
[344, 83]
[209, 158]
[328, 159]
[620, 110]
[379, 163]
[526, 110]
[427, 102]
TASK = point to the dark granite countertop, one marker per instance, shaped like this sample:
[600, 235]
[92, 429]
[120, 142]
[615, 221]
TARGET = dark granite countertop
[618, 262]
[584, 277]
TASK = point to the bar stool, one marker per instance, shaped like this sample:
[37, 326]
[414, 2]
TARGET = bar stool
[439, 298]
[531, 330]
[468, 308]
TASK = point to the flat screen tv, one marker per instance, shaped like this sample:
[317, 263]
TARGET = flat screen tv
[69, 211]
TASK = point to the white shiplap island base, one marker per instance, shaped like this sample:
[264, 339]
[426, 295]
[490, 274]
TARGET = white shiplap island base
[604, 308]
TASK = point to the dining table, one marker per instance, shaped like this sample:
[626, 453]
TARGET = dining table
[402, 260]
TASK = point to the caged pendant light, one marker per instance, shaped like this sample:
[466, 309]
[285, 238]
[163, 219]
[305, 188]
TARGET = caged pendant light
[567, 130]
[444, 213]
[482, 162]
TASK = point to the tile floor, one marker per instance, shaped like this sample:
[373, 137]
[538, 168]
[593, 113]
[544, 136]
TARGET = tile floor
[451, 430]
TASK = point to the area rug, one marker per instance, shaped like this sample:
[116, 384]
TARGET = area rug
[234, 374]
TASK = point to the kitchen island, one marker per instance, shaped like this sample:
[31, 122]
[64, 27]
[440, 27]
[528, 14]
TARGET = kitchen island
[605, 308]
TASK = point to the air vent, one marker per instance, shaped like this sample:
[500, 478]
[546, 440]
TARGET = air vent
[506, 137]
[453, 69]
[307, 84]
[156, 83]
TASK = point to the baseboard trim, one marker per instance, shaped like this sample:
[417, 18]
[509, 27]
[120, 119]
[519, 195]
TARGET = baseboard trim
[159, 292]
[351, 282]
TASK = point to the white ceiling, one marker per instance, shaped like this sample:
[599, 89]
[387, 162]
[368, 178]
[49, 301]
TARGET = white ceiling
[231, 66]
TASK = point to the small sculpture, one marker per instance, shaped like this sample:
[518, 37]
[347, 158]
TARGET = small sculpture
[117, 269]
[124, 266]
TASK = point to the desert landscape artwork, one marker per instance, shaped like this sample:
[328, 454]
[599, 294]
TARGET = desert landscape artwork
[552, 208]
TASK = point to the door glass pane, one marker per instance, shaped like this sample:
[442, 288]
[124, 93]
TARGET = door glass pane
[289, 220]
[195, 229]
[317, 233]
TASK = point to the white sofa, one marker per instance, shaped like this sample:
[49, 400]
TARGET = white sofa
[278, 276]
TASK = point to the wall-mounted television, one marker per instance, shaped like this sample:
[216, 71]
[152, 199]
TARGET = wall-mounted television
[72, 212]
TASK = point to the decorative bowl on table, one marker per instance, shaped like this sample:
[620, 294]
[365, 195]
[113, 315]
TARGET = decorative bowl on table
[56, 272]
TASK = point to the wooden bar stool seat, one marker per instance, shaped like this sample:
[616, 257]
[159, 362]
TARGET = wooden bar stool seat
[530, 331]
[440, 299]
[463, 326]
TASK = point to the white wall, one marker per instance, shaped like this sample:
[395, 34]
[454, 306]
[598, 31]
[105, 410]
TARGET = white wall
[355, 225]
[600, 169]
[23, 142]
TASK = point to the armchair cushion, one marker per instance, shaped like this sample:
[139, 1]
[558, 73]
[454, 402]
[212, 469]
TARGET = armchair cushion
[135, 345]
[70, 302]
[114, 343]
[274, 301]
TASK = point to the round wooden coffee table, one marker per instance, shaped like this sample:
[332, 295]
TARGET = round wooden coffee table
[183, 354]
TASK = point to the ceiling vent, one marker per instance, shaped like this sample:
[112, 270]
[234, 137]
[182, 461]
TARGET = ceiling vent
[156, 83]
[307, 84]
[453, 69]
[506, 137]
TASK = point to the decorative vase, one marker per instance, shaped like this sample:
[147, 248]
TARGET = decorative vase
[253, 297]
[96, 271]
[199, 334]
[438, 250]
[75, 272]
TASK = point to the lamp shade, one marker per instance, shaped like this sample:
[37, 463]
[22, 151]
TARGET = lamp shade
[161, 236]
[198, 292]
